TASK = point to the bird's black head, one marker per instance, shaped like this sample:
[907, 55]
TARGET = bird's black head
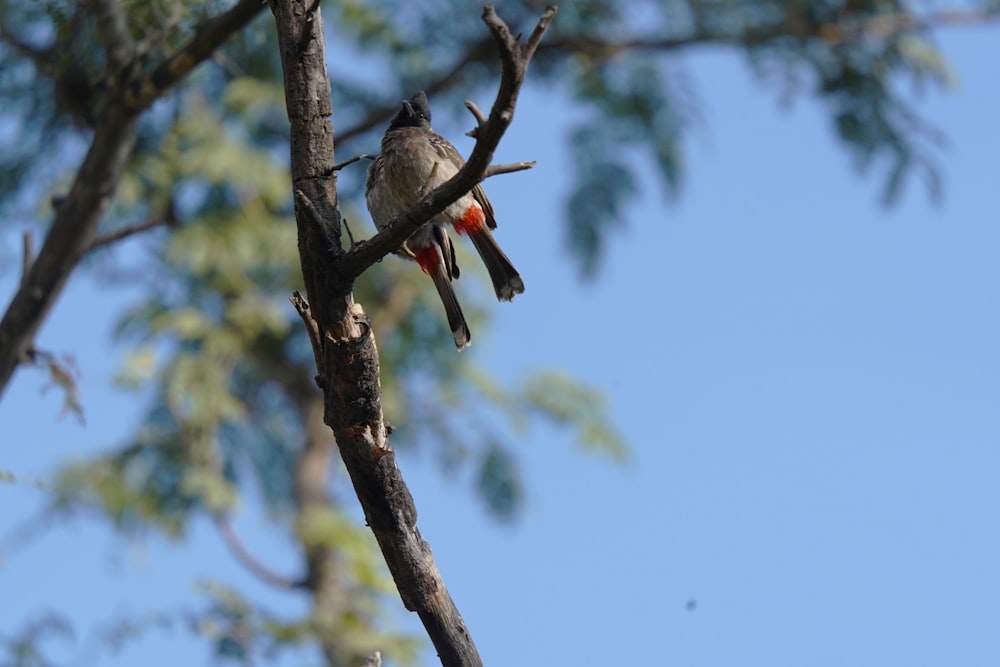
[416, 112]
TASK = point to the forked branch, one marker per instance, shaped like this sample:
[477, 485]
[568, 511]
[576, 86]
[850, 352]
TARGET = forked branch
[514, 59]
[343, 344]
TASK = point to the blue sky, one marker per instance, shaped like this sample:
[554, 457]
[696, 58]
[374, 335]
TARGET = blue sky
[809, 383]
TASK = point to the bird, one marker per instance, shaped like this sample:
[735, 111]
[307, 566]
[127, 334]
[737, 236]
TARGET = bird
[430, 247]
[415, 160]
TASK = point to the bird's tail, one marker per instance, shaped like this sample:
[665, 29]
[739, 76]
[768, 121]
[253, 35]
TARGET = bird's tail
[456, 319]
[437, 259]
[506, 280]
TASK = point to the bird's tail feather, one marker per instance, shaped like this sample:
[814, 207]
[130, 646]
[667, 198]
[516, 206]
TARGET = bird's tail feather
[456, 319]
[506, 280]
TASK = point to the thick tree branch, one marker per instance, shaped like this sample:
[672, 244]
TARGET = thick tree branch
[75, 224]
[347, 360]
[514, 61]
[79, 213]
[209, 36]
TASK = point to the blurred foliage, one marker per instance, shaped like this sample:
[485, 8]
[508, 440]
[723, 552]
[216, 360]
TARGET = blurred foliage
[212, 346]
[25, 648]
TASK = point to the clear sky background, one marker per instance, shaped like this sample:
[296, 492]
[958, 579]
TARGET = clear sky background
[809, 383]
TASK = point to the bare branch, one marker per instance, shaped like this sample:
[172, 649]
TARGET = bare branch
[536, 35]
[497, 169]
[341, 165]
[476, 52]
[514, 66]
[209, 36]
[347, 358]
[247, 559]
[851, 28]
[79, 213]
[125, 232]
[478, 115]
[41, 57]
[302, 308]
[75, 223]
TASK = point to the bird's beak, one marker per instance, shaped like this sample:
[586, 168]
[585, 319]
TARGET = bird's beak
[408, 107]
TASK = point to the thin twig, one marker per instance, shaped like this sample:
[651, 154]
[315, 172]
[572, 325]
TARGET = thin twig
[302, 200]
[476, 52]
[536, 35]
[422, 190]
[341, 165]
[302, 308]
[125, 232]
[247, 559]
[41, 57]
[478, 115]
[497, 169]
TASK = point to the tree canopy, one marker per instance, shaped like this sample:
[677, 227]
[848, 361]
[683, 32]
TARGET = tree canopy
[183, 135]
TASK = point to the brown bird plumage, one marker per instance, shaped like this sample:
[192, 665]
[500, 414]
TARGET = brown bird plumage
[415, 160]
[429, 246]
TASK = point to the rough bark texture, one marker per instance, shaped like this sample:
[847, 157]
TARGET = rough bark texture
[346, 356]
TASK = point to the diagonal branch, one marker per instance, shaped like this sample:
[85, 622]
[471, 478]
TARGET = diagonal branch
[247, 559]
[514, 60]
[41, 57]
[75, 224]
[344, 347]
[80, 212]
[474, 53]
[209, 36]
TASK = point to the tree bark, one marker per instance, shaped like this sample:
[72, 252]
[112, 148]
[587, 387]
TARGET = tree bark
[343, 344]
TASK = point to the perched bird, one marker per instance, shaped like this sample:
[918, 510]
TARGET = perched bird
[430, 246]
[414, 160]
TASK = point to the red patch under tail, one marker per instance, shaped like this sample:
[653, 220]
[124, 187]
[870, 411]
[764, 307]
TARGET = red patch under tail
[429, 260]
[472, 220]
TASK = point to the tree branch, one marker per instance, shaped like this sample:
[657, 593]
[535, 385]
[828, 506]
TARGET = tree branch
[27, 254]
[476, 52]
[125, 232]
[360, 156]
[854, 26]
[114, 35]
[41, 57]
[347, 358]
[497, 169]
[75, 224]
[79, 213]
[247, 559]
[514, 61]
[208, 37]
